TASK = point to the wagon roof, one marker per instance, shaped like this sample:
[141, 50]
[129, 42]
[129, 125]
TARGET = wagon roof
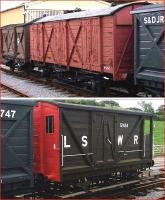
[19, 102]
[99, 109]
[149, 8]
[88, 13]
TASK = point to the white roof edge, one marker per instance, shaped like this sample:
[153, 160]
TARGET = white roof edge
[88, 13]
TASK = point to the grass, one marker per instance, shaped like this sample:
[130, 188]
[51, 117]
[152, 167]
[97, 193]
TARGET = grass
[158, 131]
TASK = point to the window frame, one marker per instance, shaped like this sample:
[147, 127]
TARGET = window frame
[49, 126]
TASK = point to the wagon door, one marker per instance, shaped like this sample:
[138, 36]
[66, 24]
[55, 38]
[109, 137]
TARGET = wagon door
[103, 137]
[74, 57]
[47, 140]
[86, 43]
[91, 48]
[51, 133]
[61, 42]
[96, 44]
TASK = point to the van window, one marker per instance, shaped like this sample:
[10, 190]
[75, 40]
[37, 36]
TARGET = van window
[49, 124]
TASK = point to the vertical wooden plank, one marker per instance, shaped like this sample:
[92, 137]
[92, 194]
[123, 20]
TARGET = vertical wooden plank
[66, 42]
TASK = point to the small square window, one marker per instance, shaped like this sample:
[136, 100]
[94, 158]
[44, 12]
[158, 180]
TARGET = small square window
[50, 124]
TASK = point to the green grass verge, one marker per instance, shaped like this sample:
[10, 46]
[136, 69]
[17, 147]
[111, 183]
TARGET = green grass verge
[158, 131]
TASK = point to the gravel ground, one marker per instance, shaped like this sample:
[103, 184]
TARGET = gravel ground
[159, 163]
[31, 88]
[7, 94]
[158, 192]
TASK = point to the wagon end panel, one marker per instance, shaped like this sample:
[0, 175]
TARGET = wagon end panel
[124, 42]
[46, 140]
[149, 48]
[123, 34]
[36, 42]
[17, 146]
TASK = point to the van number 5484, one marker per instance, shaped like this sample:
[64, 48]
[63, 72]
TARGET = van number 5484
[8, 113]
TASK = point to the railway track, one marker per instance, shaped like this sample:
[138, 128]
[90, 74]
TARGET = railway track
[140, 188]
[121, 190]
[55, 84]
[65, 86]
[14, 91]
[118, 190]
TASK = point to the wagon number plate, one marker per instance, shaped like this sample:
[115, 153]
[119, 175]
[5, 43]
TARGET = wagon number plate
[8, 113]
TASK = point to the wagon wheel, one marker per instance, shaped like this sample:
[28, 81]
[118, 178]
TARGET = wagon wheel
[10, 64]
[12, 68]
[27, 69]
[39, 183]
[101, 87]
[130, 86]
[26, 73]
[132, 90]
[48, 74]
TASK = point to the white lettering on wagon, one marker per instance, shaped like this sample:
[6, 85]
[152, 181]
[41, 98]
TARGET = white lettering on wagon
[121, 137]
[84, 142]
[154, 20]
[123, 125]
[8, 113]
[136, 139]
[65, 144]
[120, 140]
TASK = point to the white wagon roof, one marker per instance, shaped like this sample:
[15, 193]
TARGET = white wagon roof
[89, 13]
